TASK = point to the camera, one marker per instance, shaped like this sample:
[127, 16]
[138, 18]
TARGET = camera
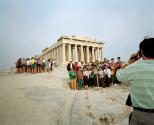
[137, 56]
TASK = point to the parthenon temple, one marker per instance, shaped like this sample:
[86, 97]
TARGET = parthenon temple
[75, 48]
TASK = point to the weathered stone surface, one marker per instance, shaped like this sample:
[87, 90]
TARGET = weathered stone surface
[28, 99]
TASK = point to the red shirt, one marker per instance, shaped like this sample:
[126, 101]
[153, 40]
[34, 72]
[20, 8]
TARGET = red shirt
[112, 65]
[75, 67]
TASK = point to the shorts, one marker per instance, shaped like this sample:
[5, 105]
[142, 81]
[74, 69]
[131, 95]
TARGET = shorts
[32, 65]
[19, 66]
[28, 66]
[39, 65]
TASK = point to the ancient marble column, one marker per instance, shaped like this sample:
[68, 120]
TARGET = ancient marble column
[87, 53]
[97, 53]
[100, 54]
[63, 54]
[76, 53]
[102, 51]
[47, 55]
[93, 54]
[54, 51]
[82, 55]
[57, 55]
[69, 52]
[50, 54]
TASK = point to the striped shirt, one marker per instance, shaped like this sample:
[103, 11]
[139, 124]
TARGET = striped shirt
[140, 78]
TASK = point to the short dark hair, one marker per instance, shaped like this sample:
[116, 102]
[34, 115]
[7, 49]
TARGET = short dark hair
[147, 46]
[118, 57]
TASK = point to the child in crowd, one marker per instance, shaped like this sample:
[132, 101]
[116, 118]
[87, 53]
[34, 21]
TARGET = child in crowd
[79, 78]
[101, 78]
[72, 76]
[75, 66]
[107, 73]
[113, 71]
[95, 77]
[86, 77]
[92, 78]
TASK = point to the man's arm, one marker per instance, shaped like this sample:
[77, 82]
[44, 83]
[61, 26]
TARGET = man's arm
[122, 73]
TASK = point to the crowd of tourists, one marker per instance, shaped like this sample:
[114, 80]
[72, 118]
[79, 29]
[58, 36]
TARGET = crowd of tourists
[34, 65]
[94, 74]
[81, 74]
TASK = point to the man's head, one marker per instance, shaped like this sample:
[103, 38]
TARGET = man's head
[147, 47]
[118, 58]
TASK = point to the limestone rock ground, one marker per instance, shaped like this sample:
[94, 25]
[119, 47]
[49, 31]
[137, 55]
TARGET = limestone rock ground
[45, 99]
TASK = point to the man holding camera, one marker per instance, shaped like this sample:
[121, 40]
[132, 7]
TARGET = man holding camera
[139, 74]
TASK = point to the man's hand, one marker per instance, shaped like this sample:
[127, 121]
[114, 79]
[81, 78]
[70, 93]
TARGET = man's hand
[123, 66]
[134, 57]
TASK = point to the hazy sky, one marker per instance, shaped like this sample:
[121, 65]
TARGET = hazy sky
[28, 26]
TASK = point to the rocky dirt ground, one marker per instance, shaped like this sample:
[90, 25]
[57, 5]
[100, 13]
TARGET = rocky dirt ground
[45, 99]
